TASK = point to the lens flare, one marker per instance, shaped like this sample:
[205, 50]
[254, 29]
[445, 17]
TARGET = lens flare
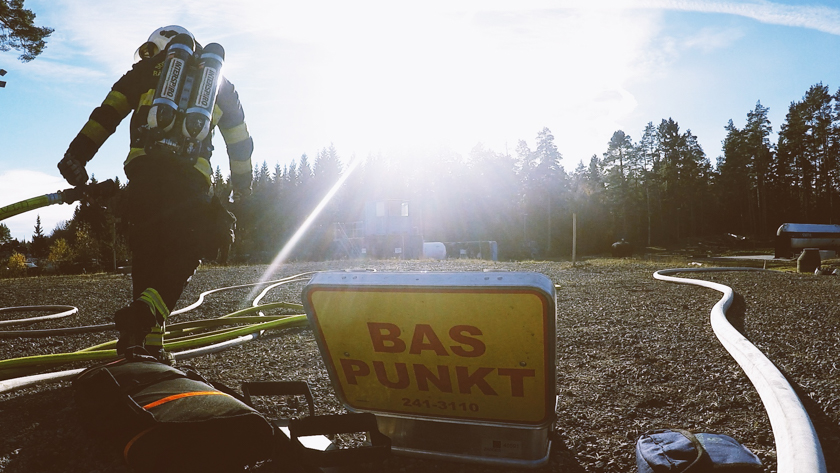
[293, 241]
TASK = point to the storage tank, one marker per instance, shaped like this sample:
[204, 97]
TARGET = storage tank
[434, 250]
[791, 238]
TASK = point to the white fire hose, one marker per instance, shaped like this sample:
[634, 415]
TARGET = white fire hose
[797, 446]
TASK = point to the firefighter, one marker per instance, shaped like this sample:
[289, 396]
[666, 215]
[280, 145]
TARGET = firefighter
[168, 199]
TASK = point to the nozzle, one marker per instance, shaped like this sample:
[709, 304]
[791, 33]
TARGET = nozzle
[100, 190]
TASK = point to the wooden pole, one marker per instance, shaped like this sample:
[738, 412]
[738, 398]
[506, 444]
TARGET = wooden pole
[574, 239]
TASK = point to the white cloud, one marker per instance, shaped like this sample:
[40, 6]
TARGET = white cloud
[48, 70]
[456, 77]
[815, 17]
[710, 39]
[371, 75]
[17, 185]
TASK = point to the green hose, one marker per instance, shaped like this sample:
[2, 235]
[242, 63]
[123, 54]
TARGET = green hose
[179, 336]
[171, 337]
[56, 358]
[184, 327]
[24, 366]
[90, 354]
[67, 196]
[29, 204]
[290, 322]
[176, 330]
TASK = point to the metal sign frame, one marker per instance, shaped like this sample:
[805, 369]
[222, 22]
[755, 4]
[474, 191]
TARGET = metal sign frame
[459, 366]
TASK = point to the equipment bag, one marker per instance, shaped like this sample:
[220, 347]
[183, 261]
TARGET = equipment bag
[680, 451]
[165, 419]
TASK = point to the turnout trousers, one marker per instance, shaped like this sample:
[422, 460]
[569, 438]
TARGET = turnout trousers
[168, 211]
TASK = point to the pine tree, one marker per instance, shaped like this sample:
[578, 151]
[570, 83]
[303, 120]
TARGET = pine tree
[787, 173]
[684, 173]
[327, 166]
[587, 200]
[552, 183]
[221, 187]
[647, 149]
[618, 163]
[5, 234]
[18, 30]
[807, 146]
[304, 171]
[757, 132]
[733, 183]
[40, 243]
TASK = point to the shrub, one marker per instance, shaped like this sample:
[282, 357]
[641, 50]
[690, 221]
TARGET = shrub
[61, 255]
[17, 264]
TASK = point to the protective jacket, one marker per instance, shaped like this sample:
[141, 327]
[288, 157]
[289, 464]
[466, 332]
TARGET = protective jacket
[135, 91]
[167, 202]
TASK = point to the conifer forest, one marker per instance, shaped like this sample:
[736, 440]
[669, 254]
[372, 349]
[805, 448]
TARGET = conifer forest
[650, 187]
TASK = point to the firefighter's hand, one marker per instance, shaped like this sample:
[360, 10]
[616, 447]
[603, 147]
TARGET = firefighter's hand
[73, 170]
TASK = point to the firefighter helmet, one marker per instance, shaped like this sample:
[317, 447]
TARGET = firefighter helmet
[158, 40]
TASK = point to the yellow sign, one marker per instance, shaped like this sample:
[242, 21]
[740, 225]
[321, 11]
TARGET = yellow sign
[463, 353]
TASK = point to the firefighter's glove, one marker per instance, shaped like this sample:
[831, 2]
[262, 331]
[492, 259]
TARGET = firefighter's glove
[134, 323]
[73, 170]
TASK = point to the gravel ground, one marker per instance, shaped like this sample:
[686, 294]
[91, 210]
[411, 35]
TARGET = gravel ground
[633, 355]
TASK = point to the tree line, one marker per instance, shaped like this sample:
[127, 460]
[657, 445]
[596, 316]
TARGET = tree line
[658, 190]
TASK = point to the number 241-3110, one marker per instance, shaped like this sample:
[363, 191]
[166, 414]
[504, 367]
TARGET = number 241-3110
[442, 405]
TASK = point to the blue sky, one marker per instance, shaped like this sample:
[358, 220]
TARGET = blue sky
[407, 79]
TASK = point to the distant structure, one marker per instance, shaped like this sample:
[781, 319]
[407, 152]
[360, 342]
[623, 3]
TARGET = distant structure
[488, 250]
[792, 238]
[389, 231]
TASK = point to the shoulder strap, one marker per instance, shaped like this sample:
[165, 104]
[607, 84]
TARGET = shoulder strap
[701, 451]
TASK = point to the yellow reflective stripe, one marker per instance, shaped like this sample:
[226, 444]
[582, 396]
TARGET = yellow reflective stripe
[152, 298]
[95, 132]
[217, 115]
[235, 134]
[134, 153]
[240, 167]
[203, 166]
[118, 102]
[155, 338]
[155, 303]
[146, 99]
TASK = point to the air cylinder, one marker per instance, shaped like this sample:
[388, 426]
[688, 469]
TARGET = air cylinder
[164, 108]
[199, 116]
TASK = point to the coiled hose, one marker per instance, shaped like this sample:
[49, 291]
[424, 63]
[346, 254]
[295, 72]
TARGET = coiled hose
[182, 339]
[797, 445]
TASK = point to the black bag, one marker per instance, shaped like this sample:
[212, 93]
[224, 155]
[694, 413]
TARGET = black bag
[165, 419]
[680, 451]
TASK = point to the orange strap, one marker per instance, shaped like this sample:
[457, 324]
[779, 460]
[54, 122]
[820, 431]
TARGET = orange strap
[131, 442]
[163, 401]
[181, 395]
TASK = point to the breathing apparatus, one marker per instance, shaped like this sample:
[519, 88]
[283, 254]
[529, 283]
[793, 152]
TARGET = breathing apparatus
[181, 114]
